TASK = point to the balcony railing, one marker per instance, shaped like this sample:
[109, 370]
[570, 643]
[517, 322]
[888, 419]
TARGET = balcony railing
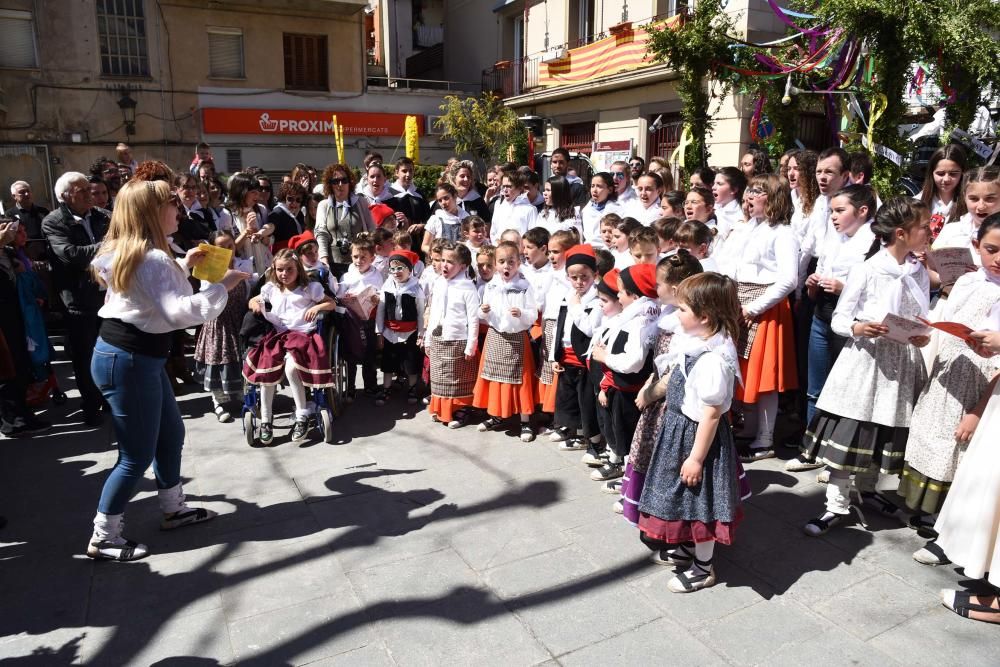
[393, 82]
[579, 61]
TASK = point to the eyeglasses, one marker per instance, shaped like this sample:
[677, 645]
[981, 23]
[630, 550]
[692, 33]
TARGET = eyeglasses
[618, 175]
[753, 192]
[396, 269]
[338, 181]
[293, 200]
[506, 186]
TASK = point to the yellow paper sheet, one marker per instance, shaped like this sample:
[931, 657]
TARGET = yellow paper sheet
[215, 264]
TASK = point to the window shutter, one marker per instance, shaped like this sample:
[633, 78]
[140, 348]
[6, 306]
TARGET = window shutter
[305, 62]
[17, 40]
[225, 54]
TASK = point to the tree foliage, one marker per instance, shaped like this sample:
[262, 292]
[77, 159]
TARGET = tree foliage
[481, 126]
[694, 49]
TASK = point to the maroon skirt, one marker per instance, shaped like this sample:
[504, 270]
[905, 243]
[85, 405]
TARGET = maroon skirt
[265, 363]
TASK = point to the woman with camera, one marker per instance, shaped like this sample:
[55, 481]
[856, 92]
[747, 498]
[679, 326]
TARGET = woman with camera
[339, 218]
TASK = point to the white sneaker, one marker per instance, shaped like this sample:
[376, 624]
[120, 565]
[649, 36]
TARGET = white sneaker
[617, 507]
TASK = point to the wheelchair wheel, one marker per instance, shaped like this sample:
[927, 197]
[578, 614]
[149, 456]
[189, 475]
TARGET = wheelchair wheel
[326, 421]
[249, 426]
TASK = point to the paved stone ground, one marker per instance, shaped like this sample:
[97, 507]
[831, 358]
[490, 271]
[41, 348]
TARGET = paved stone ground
[409, 544]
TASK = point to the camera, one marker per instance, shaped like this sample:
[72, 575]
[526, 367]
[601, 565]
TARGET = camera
[344, 246]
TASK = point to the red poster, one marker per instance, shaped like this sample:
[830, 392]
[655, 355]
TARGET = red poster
[301, 123]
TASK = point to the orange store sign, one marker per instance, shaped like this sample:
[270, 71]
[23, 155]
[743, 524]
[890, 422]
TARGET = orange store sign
[297, 122]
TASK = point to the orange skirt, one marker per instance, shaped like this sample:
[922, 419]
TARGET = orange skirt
[771, 366]
[547, 394]
[444, 409]
[502, 399]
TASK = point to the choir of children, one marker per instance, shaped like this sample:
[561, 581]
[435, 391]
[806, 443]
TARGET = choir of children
[657, 343]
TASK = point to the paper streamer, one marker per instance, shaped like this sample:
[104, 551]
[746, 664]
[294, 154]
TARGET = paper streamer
[878, 106]
[338, 139]
[677, 157]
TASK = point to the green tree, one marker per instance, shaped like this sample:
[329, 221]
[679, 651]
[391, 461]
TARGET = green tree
[694, 49]
[481, 126]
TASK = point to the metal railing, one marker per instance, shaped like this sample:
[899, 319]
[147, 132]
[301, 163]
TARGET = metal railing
[393, 82]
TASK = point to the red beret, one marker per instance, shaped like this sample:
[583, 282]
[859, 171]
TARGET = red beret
[380, 212]
[609, 284]
[640, 279]
[404, 256]
[581, 254]
[300, 240]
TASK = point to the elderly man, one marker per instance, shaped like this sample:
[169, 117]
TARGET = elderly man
[74, 232]
[25, 211]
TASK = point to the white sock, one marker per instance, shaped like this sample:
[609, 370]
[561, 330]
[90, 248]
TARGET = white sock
[219, 397]
[703, 552]
[171, 500]
[107, 527]
[267, 393]
[767, 414]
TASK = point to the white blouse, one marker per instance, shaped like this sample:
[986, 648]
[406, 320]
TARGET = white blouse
[160, 299]
[727, 216]
[867, 293]
[712, 378]
[551, 221]
[519, 215]
[848, 251]
[288, 307]
[646, 215]
[501, 296]
[590, 219]
[455, 309]
[764, 255]
[440, 218]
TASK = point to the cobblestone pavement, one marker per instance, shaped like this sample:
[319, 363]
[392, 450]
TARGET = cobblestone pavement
[407, 543]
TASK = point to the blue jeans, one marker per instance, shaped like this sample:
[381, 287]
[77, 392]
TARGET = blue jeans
[147, 422]
[824, 347]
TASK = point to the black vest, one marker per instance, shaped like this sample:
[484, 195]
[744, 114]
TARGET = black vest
[409, 307]
[630, 379]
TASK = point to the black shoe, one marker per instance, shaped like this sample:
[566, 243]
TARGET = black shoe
[300, 430]
[527, 433]
[822, 525]
[381, 398]
[413, 395]
[93, 419]
[35, 425]
[266, 433]
[491, 424]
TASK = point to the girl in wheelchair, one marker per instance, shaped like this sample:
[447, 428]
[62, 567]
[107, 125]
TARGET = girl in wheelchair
[290, 302]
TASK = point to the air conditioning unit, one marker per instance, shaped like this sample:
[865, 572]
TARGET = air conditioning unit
[432, 127]
[553, 54]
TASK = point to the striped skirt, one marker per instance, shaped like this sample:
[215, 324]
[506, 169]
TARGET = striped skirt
[853, 446]
[265, 363]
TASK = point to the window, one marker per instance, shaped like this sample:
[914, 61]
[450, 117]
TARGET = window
[579, 137]
[17, 40]
[121, 31]
[225, 53]
[305, 62]
[581, 22]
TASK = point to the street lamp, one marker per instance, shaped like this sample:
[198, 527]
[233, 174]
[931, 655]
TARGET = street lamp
[127, 105]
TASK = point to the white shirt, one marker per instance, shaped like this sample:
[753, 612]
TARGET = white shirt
[959, 234]
[845, 253]
[502, 295]
[712, 378]
[455, 308]
[623, 259]
[160, 299]
[647, 215]
[726, 217]
[441, 219]
[868, 292]
[559, 287]
[585, 316]
[627, 197]
[288, 307]
[519, 215]
[540, 279]
[551, 221]
[590, 219]
[354, 282]
[764, 255]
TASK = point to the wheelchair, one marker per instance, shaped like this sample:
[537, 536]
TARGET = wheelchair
[329, 401]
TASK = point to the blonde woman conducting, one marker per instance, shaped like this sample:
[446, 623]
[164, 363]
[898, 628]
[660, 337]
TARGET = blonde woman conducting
[148, 298]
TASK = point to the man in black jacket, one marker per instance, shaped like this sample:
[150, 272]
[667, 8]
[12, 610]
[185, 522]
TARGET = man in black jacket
[29, 215]
[559, 165]
[74, 232]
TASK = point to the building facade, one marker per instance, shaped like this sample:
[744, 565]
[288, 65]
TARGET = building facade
[259, 80]
[580, 67]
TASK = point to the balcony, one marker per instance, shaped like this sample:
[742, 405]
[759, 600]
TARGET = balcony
[582, 61]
